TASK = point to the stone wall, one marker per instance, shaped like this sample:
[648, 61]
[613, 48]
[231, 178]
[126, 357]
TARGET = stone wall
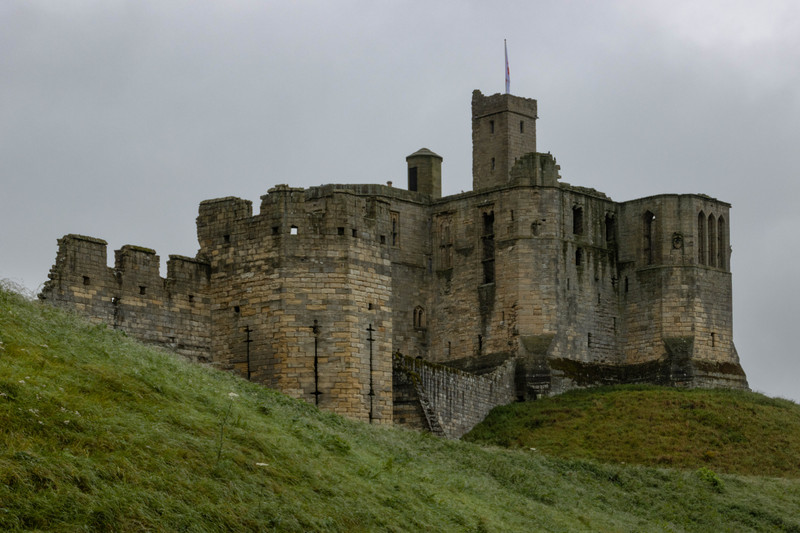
[132, 297]
[309, 280]
[459, 400]
[671, 294]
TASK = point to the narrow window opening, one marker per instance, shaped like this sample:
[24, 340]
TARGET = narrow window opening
[722, 259]
[142, 289]
[649, 245]
[369, 306]
[579, 257]
[383, 239]
[488, 223]
[236, 309]
[395, 229]
[86, 280]
[493, 163]
[598, 298]
[114, 300]
[577, 220]
[340, 230]
[512, 215]
[293, 230]
[226, 238]
[610, 229]
[480, 344]
[449, 349]
[626, 283]
[276, 230]
[491, 126]
[488, 247]
[522, 126]
[191, 298]
[567, 283]
[412, 178]
[712, 241]
[589, 340]
[445, 257]
[355, 232]
[614, 323]
[713, 340]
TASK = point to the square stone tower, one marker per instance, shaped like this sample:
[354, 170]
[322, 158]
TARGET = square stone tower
[503, 130]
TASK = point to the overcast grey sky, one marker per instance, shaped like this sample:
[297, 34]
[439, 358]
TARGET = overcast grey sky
[118, 117]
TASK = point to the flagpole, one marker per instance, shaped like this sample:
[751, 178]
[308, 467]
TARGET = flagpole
[508, 71]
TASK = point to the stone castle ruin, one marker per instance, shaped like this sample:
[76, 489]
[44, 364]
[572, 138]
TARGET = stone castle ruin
[402, 306]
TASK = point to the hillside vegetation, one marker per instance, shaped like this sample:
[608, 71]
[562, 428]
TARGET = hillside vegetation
[725, 430]
[98, 432]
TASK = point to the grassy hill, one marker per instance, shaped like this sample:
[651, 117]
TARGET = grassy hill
[98, 432]
[725, 430]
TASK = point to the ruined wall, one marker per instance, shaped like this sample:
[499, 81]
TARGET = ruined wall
[458, 399]
[132, 297]
[80, 279]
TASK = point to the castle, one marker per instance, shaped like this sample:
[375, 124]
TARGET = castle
[392, 305]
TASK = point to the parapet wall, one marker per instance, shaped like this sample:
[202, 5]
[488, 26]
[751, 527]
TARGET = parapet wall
[132, 297]
[458, 400]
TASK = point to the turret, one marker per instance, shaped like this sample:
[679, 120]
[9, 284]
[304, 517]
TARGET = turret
[425, 172]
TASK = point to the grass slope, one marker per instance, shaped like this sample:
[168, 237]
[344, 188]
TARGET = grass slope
[98, 432]
[725, 430]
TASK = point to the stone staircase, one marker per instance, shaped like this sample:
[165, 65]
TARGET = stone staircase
[430, 414]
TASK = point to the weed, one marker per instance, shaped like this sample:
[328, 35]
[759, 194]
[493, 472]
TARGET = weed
[223, 422]
[711, 478]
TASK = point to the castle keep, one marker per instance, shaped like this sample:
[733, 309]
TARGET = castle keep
[393, 305]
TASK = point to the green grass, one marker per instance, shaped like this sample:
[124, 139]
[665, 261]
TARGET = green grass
[100, 433]
[725, 430]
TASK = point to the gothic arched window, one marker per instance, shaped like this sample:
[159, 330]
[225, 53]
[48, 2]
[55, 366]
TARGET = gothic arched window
[701, 238]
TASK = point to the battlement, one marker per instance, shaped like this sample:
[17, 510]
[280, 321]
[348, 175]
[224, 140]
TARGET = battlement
[132, 296]
[483, 106]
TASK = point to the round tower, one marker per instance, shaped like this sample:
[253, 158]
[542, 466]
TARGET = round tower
[425, 172]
